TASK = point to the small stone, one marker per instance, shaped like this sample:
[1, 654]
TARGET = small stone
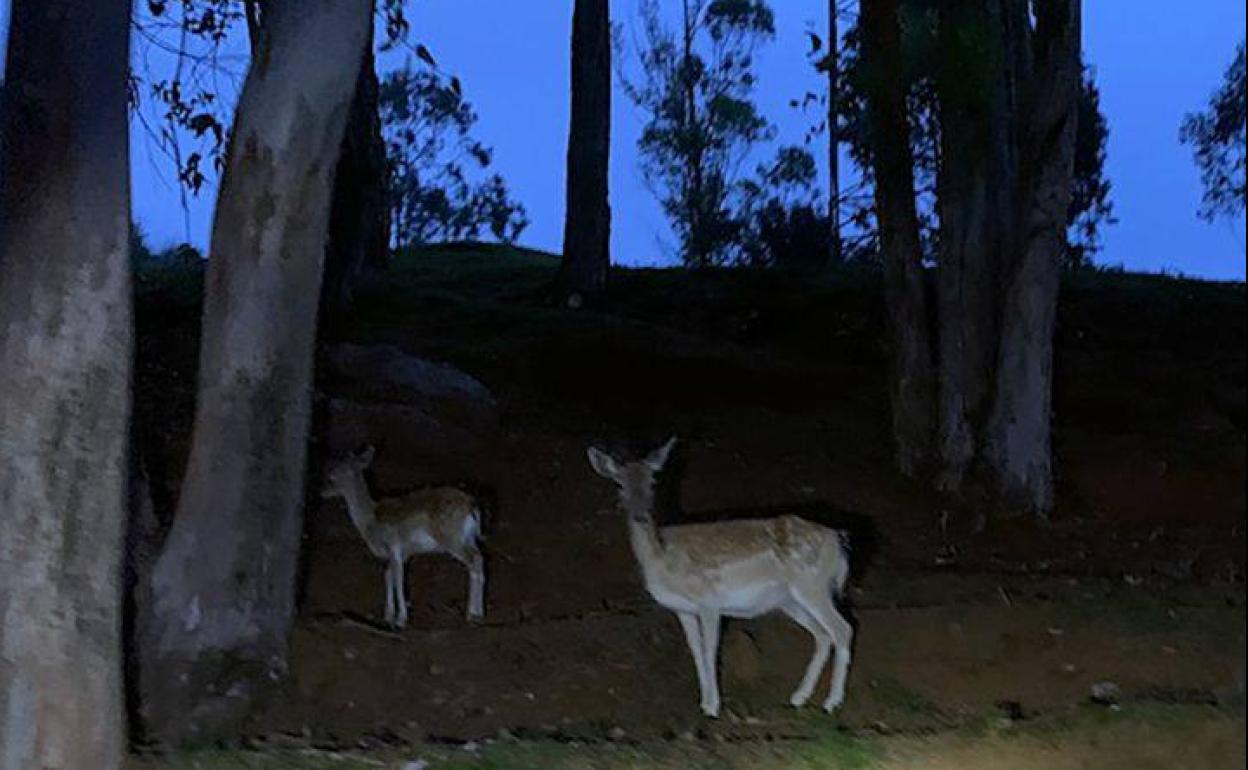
[1106, 693]
[617, 734]
[415, 764]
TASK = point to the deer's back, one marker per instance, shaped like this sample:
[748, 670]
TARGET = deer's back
[790, 541]
[431, 518]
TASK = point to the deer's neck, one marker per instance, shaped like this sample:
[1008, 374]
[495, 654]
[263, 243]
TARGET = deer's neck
[647, 544]
[361, 508]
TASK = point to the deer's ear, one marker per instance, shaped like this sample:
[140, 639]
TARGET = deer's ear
[602, 463]
[658, 458]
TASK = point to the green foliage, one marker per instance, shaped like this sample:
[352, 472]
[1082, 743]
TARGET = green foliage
[433, 163]
[784, 222]
[1217, 139]
[1090, 207]
[175, 272]
[695, 88]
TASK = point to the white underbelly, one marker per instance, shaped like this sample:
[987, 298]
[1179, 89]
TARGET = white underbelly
[740, 601]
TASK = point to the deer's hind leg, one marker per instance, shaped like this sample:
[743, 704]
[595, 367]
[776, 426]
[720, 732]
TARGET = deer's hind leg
[470, 556]
[817, 601]
[819, 659]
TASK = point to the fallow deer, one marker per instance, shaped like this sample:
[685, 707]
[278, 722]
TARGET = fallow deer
[741, 569]
[431, 520]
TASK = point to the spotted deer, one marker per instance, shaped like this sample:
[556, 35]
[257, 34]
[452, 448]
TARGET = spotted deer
[431, 520]
[741, 569]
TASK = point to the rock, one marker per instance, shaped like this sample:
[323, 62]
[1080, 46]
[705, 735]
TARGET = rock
[617, 734]
[1106, 693]
[389, 374]
[415, 764]
[414, 407]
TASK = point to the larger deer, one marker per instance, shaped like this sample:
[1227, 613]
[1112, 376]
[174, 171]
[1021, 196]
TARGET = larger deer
[431, 520]
[741, 569]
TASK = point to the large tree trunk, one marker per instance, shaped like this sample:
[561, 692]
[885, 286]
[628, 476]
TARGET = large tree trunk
[222, 592]
[65, 344]
[976, 183]
[587, 221]
[911, 385]
[1019, 451]
[359, 221]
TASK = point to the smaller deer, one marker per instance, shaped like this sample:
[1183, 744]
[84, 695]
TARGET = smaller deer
[431, 520]
[742, 569]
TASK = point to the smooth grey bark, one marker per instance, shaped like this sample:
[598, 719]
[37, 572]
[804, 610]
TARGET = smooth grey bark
[359, 221]
[221, 596]
[1019, 445]
[975, 201]
[1008, 90]
[912, 378]
[65, 342]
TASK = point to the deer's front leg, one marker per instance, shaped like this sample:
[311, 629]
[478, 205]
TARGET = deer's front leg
[709, 621]
[390, 597]
[400, 590]
[693, 636]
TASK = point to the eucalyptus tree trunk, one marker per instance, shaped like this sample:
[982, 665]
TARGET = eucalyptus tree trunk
[975, 200]
[65, 349]
[911, 379]
[1019, 448]
[587, 220]
[359, 222]
[835, 248]
[220, 602]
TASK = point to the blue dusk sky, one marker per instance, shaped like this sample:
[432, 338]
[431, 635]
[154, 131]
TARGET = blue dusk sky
[1154, 61]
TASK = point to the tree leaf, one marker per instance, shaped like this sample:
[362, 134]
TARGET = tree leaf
[423, 54]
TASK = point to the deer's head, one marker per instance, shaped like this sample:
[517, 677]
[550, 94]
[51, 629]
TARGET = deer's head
[347, 472]
[635, 480]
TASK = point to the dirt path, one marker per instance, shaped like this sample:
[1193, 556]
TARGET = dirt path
[920, 667]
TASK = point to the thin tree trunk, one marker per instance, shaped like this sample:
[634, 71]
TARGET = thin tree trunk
[65, 351]
[359, 225]
[1019, 445]
[699, 251]
[835, 249]
[222, 592]
[911, 386]
[975, 203]
[587, 220]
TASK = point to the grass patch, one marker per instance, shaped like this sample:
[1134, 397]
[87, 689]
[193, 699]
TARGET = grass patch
[1083, 736]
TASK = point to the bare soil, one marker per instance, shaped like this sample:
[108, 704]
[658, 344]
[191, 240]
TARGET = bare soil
[776, 394]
